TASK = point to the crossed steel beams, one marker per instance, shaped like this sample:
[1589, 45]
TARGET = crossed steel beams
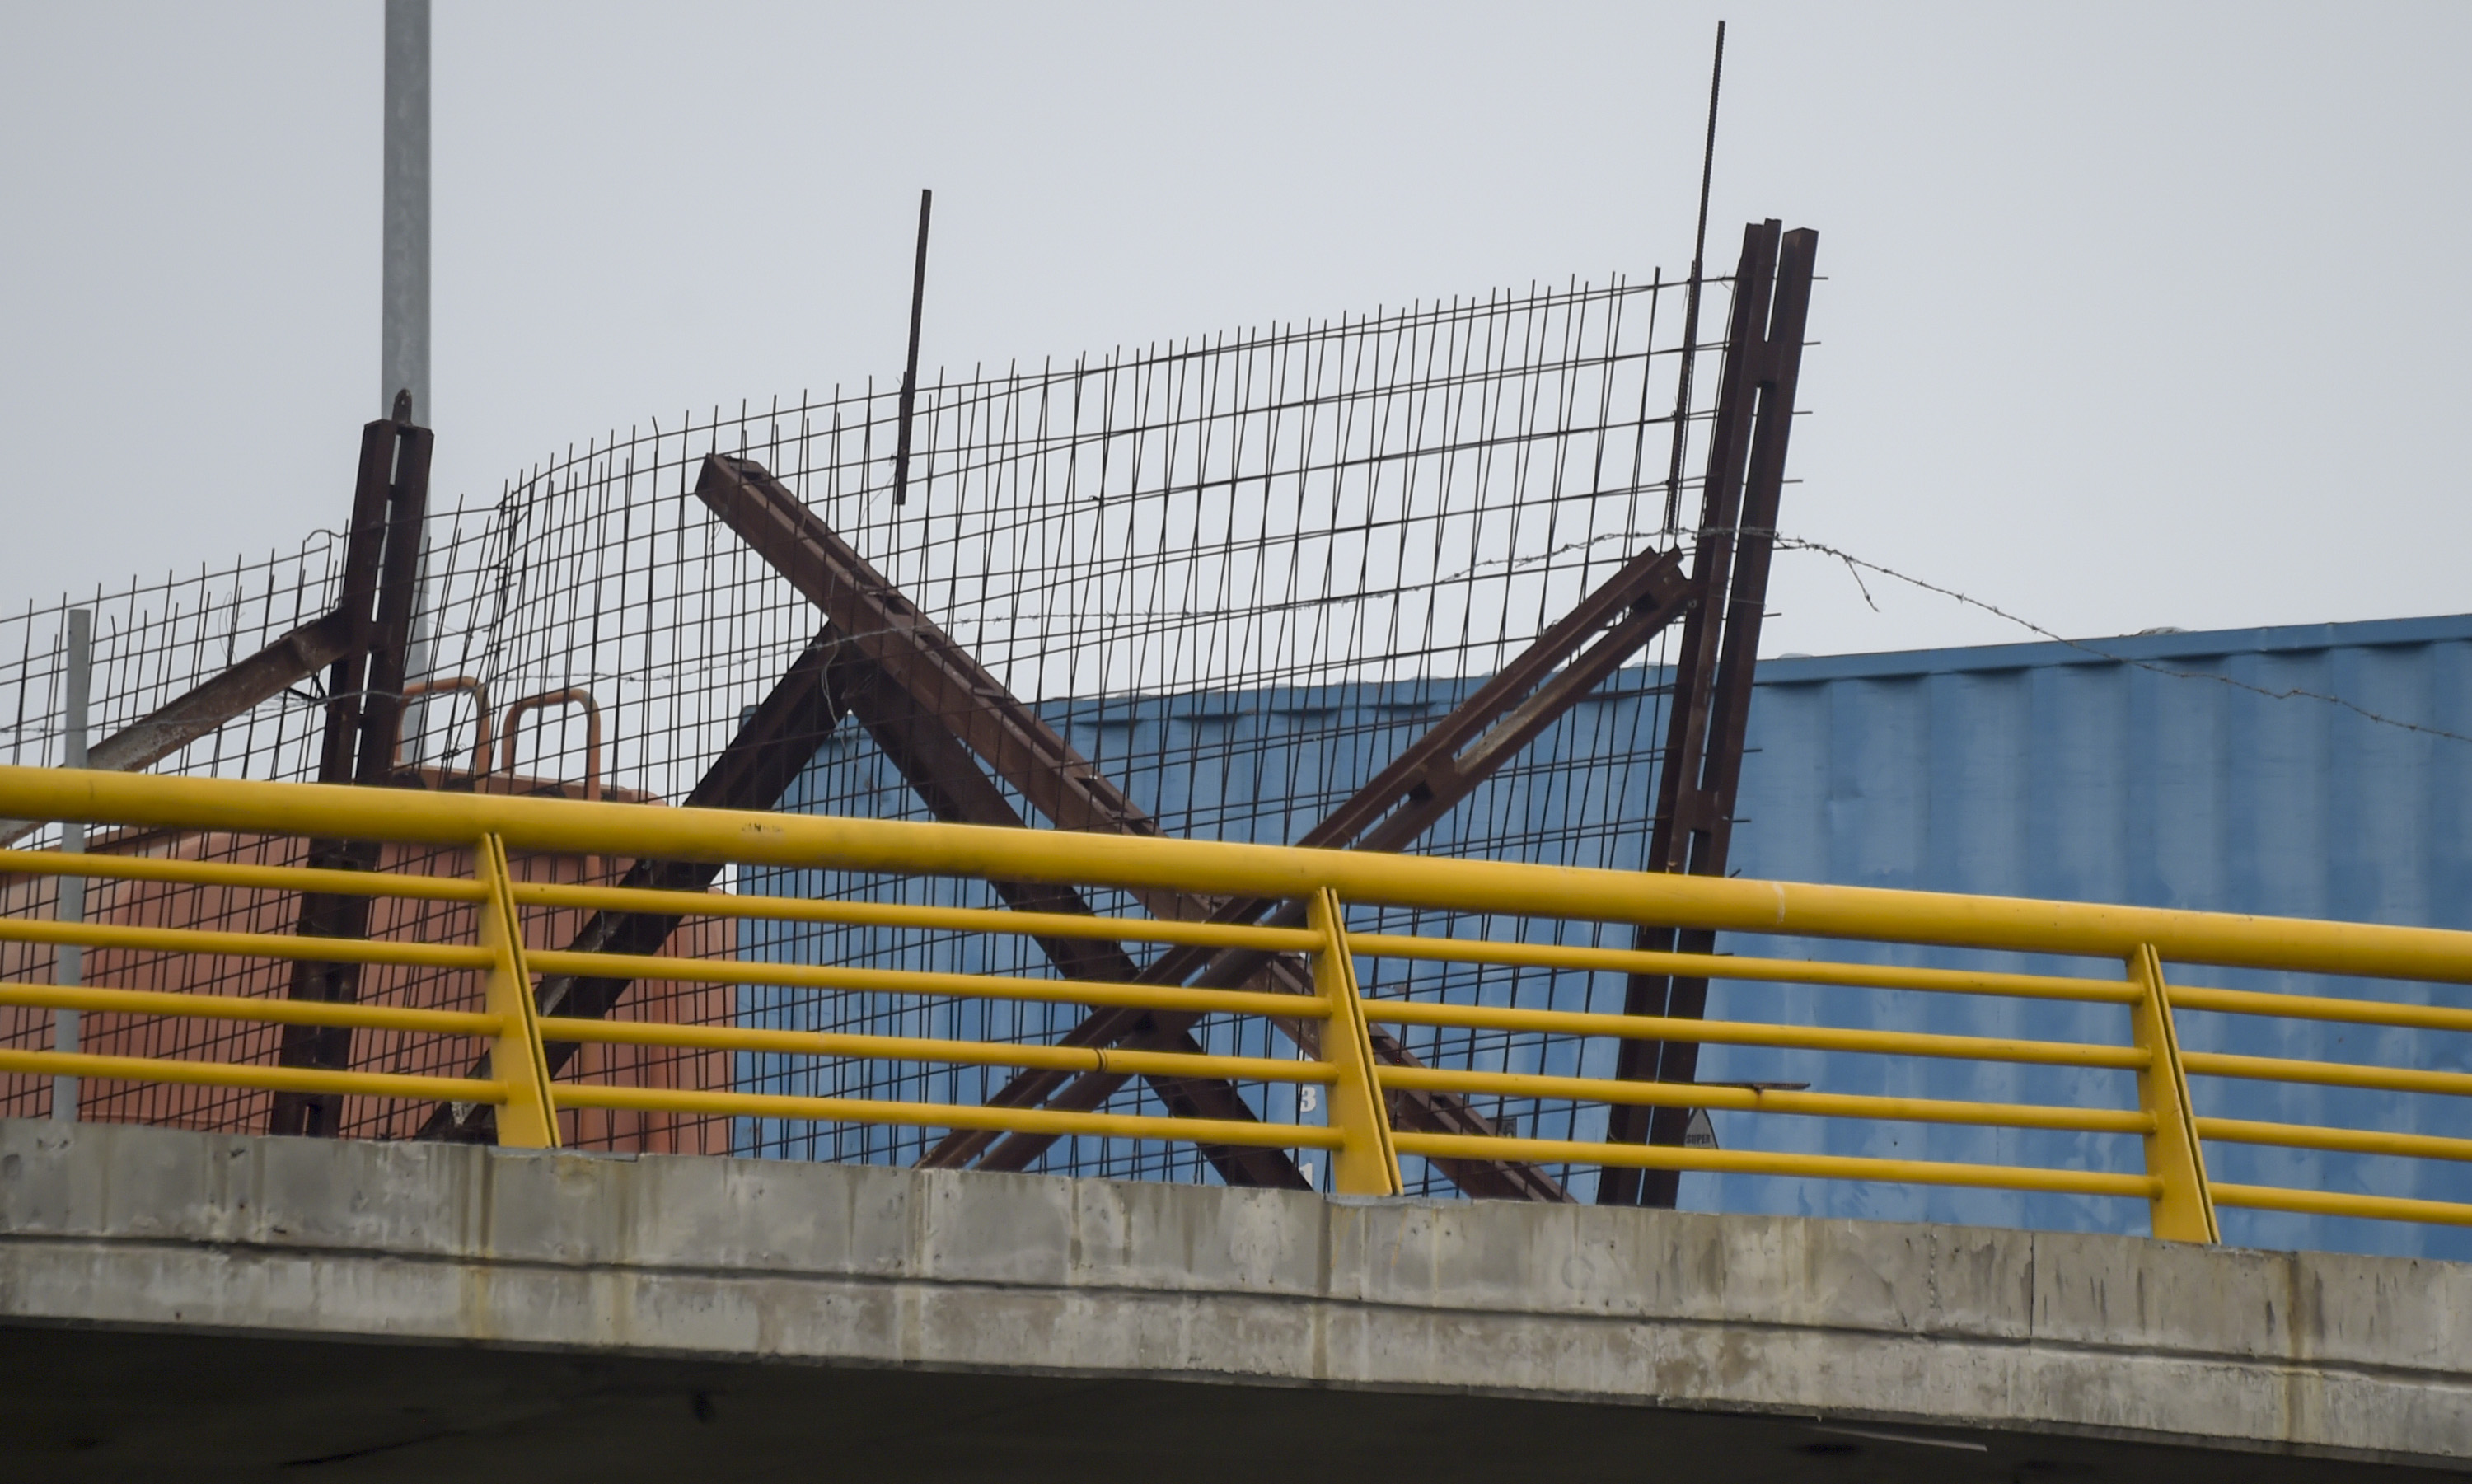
[1389, 813]
[937, 714]
[945, 689]
[852, 668]
[1725, 601]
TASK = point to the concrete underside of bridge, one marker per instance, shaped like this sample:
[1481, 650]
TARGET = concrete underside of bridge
[214, 1307]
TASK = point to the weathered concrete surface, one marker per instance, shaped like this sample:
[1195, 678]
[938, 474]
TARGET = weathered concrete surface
[129, 1254]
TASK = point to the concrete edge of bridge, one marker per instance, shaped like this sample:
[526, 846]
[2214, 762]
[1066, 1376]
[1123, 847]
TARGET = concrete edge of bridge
[2315, 1354]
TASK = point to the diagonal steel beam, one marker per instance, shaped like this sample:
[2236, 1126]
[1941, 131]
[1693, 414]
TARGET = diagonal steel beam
[949, 686]
[931, 707]
[829, 680]
[196, 712]
[1397, 805]
[943, 680]
[772, 745]
[949, 781]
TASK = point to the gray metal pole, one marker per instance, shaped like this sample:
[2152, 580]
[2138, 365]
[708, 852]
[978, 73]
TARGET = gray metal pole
[69, 970]
[403, 330]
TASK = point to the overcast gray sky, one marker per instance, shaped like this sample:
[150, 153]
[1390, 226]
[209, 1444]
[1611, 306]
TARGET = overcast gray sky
[2135, 315]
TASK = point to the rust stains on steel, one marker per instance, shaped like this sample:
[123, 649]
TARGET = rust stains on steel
[197, 712]
[1421, 785]
[364, 725]
[931, 708]
[950, 689]
[772, 745]
[1697, 785]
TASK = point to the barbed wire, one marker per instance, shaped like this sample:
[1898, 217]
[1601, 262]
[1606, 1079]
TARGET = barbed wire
[1856, 566]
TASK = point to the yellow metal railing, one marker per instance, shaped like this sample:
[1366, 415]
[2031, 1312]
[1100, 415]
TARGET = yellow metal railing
[1334, 1023]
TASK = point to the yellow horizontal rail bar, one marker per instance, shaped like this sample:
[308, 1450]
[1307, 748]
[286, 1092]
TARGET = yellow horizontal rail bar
[237, 1007]
[283, 946]
[229, 1074]
[1746, 1162]
[1737, 1033]
[2325, 1074]
[2318, 1007]
[2325, 1203]
[1792, 909]
[2302, 1135]
[928, 1048]
[1759, 970]
[1818, 1105]
[968, 920]
[274, 878]
[944, 1115]
[912, 981]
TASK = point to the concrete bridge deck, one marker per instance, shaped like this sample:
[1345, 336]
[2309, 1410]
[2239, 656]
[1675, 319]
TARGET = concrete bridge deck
[213, 1306]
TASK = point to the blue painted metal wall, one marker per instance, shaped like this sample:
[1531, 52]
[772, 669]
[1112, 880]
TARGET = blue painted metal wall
[2044, 770]
[2039, 770]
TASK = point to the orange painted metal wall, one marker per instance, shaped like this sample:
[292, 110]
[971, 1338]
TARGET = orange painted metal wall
[231, 909]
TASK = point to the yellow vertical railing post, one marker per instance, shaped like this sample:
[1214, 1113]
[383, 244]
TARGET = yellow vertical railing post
[2184, 1208]
[528, 1119]
[1366, 1163]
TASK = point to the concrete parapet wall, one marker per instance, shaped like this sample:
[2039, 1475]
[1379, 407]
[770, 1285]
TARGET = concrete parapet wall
[841, 1266]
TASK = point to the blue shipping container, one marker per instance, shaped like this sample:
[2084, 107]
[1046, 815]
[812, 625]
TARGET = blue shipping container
[2319, 771]
[2258, 770]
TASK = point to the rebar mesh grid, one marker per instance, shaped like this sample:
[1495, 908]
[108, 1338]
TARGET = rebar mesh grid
[1237, 574]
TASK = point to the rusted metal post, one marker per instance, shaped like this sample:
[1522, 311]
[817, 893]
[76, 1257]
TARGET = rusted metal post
[1701, 771]
[364, 727]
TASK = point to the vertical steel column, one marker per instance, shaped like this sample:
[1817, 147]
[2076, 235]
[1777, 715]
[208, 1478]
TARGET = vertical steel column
[363, 721]
[69, 967]
[1701, 772]
[1693, 679]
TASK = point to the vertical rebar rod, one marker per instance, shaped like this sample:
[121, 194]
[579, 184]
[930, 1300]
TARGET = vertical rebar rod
[909, 369]
[1681, 443]
[69, 970]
